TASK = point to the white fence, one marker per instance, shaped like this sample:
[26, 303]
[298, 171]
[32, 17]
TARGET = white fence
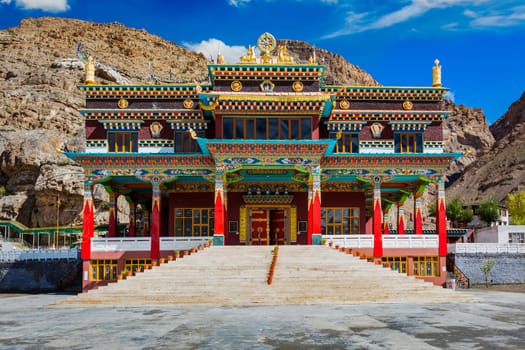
[389, 241]
[490, 248]
[38, 254]
[130, 244]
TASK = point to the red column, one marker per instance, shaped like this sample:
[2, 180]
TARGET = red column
[441, 219]
[220, 212]
[132, 215]
[88, 223]
[314, 207]
[155, 221]
[112, 227]
[418, 218]
[376, 220]
[400, 221]
[310, 214]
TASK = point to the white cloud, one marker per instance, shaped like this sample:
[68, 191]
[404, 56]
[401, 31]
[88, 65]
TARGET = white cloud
[361, 22]
[450, 95]
[43, 5]
[497, 18]
[211, 47]
[238, 3]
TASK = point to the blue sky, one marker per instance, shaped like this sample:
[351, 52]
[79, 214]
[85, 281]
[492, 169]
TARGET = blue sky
[480, 43]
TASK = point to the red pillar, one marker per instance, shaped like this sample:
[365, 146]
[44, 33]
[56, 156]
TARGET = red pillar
[400, 221]
[441, 219]
[155, 221]
[376, 220]
[112, 227]
[88, 223]
[220, 212]
[88, 231]
[132, 215]
[418, 220]
[314, 208]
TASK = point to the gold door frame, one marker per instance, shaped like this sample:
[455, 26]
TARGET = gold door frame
[245, 223]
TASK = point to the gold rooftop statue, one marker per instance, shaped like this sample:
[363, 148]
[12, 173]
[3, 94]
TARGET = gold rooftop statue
[90, 71]
[436, 74]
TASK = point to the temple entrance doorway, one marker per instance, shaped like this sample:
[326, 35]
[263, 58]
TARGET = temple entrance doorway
[268, 226]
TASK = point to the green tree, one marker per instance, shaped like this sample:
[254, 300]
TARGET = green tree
[486, 267]
[467, 215]
[516, 206]
[455, 210]
[489, 210]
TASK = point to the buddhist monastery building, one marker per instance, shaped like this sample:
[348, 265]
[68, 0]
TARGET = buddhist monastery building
[263, 154]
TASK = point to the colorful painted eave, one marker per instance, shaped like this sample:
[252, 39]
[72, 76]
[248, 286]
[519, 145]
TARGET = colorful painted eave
[394, 115]
[388, 160]
[249, 148]
[254, 71]
[410, 93]
[144, 91]
[140, 113]
[140, 160]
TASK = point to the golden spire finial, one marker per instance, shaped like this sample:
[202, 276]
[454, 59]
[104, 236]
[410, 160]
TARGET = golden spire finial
[436, 74]
[90, 71]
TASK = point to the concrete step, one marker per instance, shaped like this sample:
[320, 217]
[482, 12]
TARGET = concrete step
[237, 276]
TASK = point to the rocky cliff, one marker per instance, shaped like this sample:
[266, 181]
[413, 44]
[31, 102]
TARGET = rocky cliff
[500, 169]
[39, 71]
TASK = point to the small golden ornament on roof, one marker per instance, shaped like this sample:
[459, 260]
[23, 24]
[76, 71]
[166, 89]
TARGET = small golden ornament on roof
[436, 74]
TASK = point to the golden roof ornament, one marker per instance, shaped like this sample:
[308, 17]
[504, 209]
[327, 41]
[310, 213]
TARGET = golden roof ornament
[250, 56]
[436, 74]
[283, 55]
[90, 71]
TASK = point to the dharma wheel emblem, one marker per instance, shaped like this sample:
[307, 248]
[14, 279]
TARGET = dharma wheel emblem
[188, 103]
[344, 104]
[122, 103]
[297, 86]
[236, 86]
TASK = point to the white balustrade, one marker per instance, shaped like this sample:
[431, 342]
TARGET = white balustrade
[182, 243]
[489, 248]
[389, 241]
[410, 241]
[351, 241]
[119, 244]
[38, 254]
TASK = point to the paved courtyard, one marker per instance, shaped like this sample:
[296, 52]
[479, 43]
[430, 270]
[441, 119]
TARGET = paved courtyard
[495, 321]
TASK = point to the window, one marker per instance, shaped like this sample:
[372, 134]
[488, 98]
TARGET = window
[410, 142]
[340, 221]
[347, 143]
[184, 143]
[516, 237]
[426, 266]
[132, 264]
[123, 141]
[396, 263]
[267, 128]
[195, 222]
[103, 270]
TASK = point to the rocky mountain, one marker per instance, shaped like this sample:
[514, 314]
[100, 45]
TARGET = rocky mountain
[500, 169]
[39, 71]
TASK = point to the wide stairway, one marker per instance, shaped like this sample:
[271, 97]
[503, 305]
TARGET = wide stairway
[237, 276]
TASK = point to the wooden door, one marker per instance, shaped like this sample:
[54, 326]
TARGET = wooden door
[277, 234]
[260, 226]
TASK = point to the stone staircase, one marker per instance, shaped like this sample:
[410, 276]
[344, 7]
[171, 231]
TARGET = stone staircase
[237, 276]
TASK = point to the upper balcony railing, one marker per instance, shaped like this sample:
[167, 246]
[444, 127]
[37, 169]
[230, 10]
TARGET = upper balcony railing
[487, 248]
[135, 244]
[389, 241]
